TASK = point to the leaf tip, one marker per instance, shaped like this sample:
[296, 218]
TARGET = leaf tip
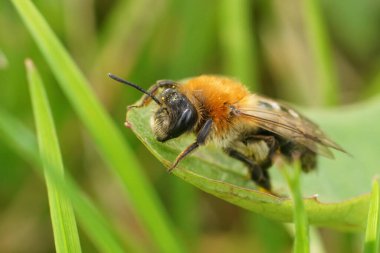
[127, 124]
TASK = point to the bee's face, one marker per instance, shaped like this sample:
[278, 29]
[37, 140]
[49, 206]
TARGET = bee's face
[176, 116]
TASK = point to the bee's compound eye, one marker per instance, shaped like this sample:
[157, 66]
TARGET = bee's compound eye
[175, 118]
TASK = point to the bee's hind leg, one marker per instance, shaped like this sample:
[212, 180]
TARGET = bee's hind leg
[258, 174]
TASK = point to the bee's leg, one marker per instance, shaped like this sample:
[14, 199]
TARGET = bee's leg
[153, 90]
[271, 142]
[147, 99]
[258, 174]
[201, 138]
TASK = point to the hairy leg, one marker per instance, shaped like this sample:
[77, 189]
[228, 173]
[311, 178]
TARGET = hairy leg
[258, 174]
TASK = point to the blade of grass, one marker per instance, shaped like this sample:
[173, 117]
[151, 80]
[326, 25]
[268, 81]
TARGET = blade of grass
[65, 230]
[107, 138]
[322, 53]
[316, 243]
[124, 34]
[3, 60]
[18, 138]
[238, 43]
[195, 42]
[372, 236]
[82, 34]
[372, 89]
[93, 222]
[301, 241]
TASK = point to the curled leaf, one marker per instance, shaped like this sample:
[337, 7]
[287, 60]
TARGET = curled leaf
[345, 203]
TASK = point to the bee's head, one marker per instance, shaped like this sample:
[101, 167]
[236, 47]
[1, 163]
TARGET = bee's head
[175, 116]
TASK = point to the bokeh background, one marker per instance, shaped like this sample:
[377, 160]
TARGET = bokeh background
[308, 52]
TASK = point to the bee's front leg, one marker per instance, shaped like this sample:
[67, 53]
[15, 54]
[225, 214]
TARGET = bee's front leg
[153, 90]
[201, 139]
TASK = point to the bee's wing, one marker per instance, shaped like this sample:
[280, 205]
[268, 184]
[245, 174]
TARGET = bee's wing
[286, 122]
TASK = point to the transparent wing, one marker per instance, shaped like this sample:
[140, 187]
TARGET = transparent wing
[286, 122]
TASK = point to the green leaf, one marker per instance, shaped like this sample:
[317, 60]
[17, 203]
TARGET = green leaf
[341, 184]
[65, 230]
[107, 138]
[372, 237]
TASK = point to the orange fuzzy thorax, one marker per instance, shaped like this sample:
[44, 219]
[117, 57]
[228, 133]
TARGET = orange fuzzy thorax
[212, 95]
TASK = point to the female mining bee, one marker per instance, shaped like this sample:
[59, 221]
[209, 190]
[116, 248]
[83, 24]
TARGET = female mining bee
[248, 127]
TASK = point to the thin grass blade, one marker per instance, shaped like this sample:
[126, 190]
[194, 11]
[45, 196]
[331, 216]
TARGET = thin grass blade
[65, 230]
[125, 33]
[372, 89]
[372, 237]
[3, 60]
[301, 241]
[239, 45]
[322, 52]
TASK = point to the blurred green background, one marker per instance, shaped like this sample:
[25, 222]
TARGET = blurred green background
[313, 53]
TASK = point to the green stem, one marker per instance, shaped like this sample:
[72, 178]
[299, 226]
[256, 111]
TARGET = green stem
[292, 175]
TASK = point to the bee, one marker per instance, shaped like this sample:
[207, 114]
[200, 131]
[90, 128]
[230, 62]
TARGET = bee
[248, 127]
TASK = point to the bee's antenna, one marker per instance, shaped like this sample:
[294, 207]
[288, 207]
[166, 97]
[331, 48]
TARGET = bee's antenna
[134, 86]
